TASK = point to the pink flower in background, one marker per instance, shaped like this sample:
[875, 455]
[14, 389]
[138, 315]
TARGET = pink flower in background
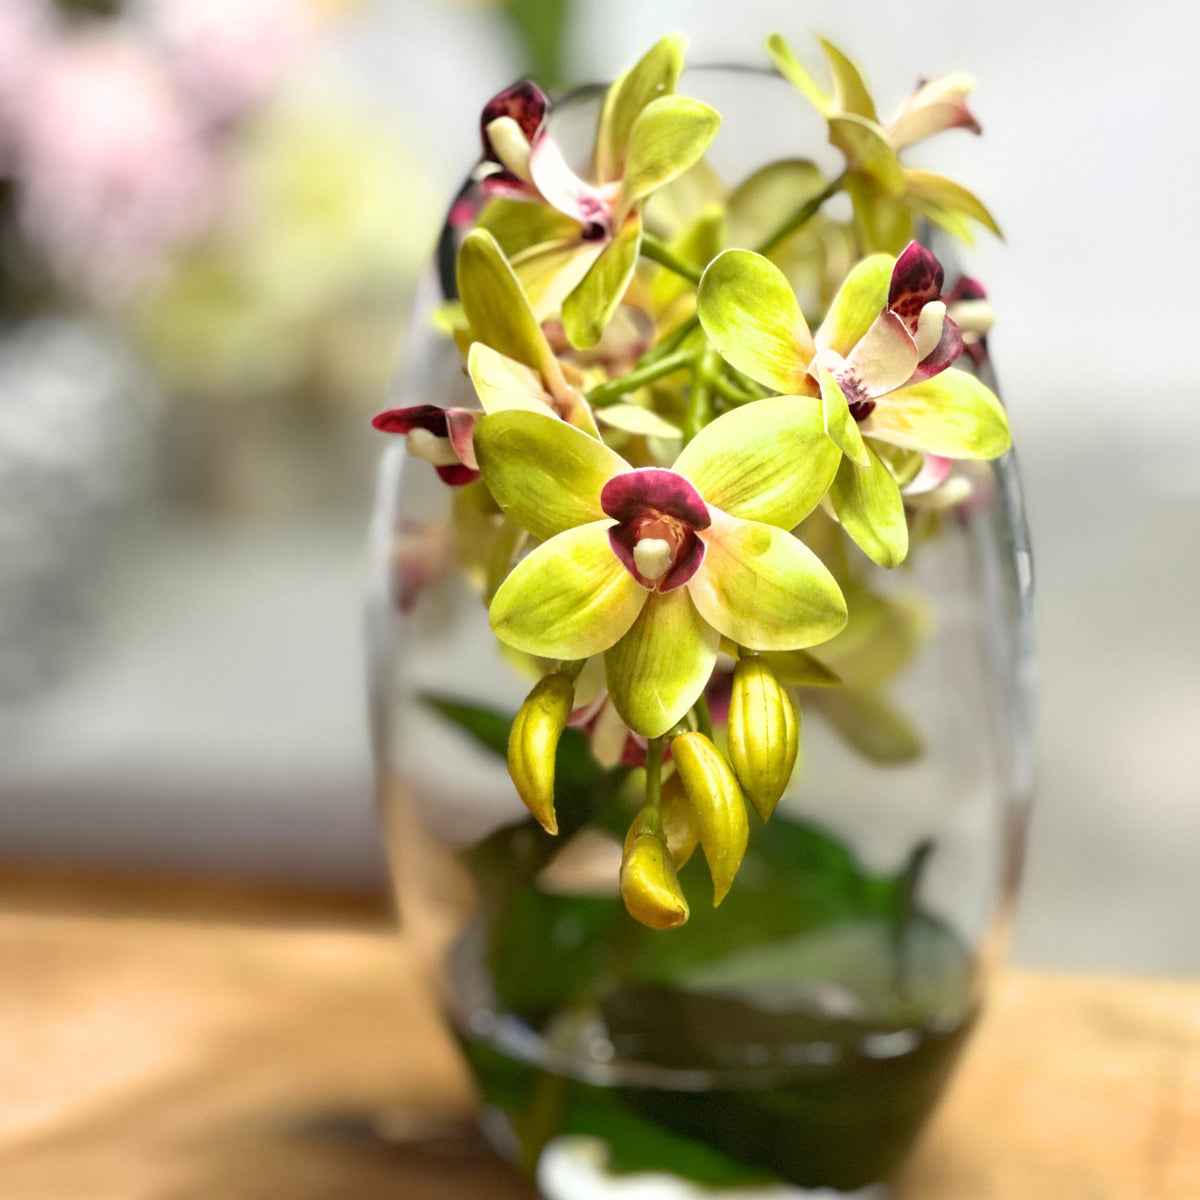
[225, 54]
[111, 170]
[26, 35]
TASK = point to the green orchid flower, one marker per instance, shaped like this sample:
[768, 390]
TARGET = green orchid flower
[650, 566]
[647, 136]
[880, 363]
[887, 195]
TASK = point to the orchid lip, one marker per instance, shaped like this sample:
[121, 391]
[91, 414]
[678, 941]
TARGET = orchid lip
[637, 493]
[524, 102]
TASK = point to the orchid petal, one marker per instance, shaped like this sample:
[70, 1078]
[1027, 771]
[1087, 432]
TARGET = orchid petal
[518, 225]
[952, 414]
[943, 355]
[946, 194]
[798, 668]
[670, 135]
[868, 504]
[937, 105]
[503, 383]
[562, 188]
[547, 475]
[658, 670]
[916, 282]
[850, 94]
[765, 461]
[881, 221]
[860, 299]
[764, 588]
[497, 309]
[755, 206]
[867, 151]
[589, 308]
[654, 75]
[636, 420]
[551, 271]
[841, 427]
[570, 598]
[885, 357]
[877, 729]
[748, 309]
[788, 65]
[460, 428]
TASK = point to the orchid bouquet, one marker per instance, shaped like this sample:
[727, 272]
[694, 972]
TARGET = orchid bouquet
[699, 408]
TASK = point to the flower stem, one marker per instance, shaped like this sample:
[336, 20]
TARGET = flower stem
[657, 252]
[652, 812]
[801, 216]
[699, 405]
[703, 719]
[614, 389]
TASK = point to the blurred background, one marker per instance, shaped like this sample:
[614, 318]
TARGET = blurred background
[212, 216]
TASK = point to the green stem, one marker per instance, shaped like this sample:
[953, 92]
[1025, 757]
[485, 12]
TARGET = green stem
[699, 405]
[614, 389]
[658, 252]
[703, 718]
[670, 343]
[801, 216]
[652, 812]
[728, 390]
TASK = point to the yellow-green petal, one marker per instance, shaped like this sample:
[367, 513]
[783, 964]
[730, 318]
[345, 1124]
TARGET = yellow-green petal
[547, 475]
[517, 225]
[861, 298]
[867, 151]
[952, 414]
[571, 598]
[840, 425]
[549, 272]
[788, 65]
[670, 135]
[657, 671]
[868, 504]
[749, 311]
[654, 75]
[946, 194]
[765, 461]
[503, 383]
[763, 588]
[758, 205]
[497, 309]
[589, 308]
[850, 94]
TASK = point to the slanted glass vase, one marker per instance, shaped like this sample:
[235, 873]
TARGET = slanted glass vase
[798, 1036]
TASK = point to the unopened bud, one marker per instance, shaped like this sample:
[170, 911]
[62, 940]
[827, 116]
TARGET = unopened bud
[649, 885]
[533, 744]
[716, 799]
[764, 734]
[678, 823]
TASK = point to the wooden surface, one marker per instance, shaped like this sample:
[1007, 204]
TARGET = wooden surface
[187, 1058]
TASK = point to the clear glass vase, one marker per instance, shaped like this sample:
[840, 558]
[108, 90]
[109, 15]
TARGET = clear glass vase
[799, 1035]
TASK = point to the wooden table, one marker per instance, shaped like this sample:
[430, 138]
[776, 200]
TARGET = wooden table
[212, 1044]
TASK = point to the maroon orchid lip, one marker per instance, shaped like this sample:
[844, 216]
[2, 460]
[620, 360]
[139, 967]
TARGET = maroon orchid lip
[916, 281]
[653, 504]
[456, 425]
[525, 102]
[419, 416]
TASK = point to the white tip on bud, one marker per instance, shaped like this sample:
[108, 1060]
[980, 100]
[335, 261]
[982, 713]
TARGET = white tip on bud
[433, 449]
[652, 557]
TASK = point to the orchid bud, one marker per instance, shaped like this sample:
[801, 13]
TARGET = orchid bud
[716, 799]
[649, 885]
[678, 822]
[764, 734]
[533, 744]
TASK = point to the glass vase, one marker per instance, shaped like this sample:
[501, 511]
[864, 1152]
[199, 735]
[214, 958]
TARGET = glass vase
[797, 1037]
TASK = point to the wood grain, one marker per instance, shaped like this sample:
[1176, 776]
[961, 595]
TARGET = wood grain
[175, 1058]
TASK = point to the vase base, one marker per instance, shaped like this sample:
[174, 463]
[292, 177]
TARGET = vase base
[574, 1168]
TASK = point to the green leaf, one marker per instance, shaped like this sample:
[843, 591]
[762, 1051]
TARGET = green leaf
[497, 309]
[788, 65]
[840, 425]
[488, 727]
[868, 503]
[763, 588]
[765, 461]
[850, 94]
[861, 298]
[569, 599]
[749, 311]
[653, 76]
[588, 309]
[946, 194]
[867, 151]
[670, 135]
[658, 670]
[952, 414]
[547, 475]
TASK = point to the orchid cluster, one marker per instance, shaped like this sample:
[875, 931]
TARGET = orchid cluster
[670, 472]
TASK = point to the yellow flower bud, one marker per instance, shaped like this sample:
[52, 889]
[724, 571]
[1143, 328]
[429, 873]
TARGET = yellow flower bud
[716, 799]
[649, 885]
[533, 744]
[764, 734]
[678, 821]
